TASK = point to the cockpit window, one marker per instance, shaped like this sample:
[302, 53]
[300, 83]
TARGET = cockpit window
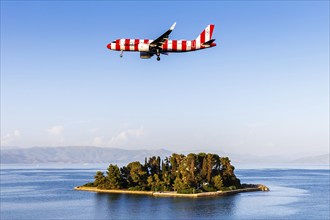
[113, 41]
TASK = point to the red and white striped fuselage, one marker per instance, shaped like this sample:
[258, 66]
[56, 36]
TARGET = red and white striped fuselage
[162, 45]
[168, 46]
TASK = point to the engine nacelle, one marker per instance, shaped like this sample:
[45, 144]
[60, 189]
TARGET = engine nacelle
[145, 55]
[143, 47]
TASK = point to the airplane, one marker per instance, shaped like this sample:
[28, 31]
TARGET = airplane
[162, 45]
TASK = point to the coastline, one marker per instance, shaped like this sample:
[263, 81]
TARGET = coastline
[251, 188]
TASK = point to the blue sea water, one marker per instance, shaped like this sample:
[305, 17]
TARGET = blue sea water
[29, 192]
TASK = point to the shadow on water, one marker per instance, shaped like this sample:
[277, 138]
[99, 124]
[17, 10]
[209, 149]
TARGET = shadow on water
[126, 206]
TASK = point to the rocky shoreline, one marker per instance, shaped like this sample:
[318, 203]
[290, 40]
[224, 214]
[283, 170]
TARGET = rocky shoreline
[247, 188]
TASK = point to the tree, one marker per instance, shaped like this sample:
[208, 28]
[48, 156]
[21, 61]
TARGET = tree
[166, 175]
[200, 172]
[192, 161]
[99, 180]
[174, 166]
[137, 175]
[187, 171]
[217, 182]
[178, 184]
[155, 183]
[153, 165]
[216, 166]
[114, 177]
[124, 173]
[185, 174]
[158, 168]
[150, 182]
[210, 164]
[227, 173]
[204, 170]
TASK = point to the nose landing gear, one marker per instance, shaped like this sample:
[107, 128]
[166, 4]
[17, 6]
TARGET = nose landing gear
[121, 53]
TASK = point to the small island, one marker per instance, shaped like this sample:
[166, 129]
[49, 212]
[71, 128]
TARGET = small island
[194, 175]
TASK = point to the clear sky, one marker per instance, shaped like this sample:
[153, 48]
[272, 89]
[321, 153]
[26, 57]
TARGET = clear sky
[263, 90]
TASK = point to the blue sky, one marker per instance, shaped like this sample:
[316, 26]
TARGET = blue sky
[263, 90]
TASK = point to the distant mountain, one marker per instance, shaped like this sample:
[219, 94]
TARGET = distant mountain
[319, 159]
[239, 159]
[76, 155]
[38, 155]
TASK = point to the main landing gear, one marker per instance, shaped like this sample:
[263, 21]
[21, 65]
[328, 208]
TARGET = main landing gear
[158, 58]
[158, 55]
[121, 53]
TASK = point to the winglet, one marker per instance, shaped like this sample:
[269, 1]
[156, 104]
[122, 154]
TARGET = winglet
[173, 26]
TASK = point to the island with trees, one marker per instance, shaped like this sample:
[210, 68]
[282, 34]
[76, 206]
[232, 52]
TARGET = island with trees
[194, 175]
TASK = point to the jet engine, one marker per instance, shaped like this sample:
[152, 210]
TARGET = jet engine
[145, 55]
[143, 47]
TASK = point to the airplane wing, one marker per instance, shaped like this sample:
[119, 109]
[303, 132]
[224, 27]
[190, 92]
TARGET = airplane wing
[160, 40]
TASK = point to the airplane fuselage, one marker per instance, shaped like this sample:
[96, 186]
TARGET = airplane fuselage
[168, 46]
[162, 45]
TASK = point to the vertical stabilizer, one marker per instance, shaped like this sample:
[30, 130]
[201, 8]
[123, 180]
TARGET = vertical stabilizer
[205, 36]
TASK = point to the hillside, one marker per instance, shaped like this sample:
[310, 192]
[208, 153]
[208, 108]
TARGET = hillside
[76, 155]
[88, 154]
[319, 159]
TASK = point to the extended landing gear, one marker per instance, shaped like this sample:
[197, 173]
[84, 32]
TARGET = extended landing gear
[158, 55]
[121, 54]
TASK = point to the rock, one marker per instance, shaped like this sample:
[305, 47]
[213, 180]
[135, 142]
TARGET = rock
[263, 187]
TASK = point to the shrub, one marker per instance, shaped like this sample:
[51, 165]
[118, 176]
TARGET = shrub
[187, 191]
[137, 188]
[208, 188]
[89, 184]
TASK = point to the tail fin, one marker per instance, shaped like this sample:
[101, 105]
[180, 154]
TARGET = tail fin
[206, 35]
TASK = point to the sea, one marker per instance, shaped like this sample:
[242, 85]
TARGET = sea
[46, 192]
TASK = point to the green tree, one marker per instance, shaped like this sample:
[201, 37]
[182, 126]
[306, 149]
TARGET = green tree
[137, 175]
[153, 165]
[114, 177]
[158, 168]
[166, 175]
[199, 170]
[185, 174]
[178, 184]
[187, 171]
[174, 166]
[192, 167]
[150, 182]
[227, 173]
[217, 182]
[217, 165]
[155, 183]
[210, 164]
[99, 180]
[124, 173]
[204, 170]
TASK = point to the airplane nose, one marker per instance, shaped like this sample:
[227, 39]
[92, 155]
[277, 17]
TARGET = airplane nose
[109, 46]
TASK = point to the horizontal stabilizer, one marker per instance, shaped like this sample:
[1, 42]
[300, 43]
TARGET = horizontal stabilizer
[208, 43]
